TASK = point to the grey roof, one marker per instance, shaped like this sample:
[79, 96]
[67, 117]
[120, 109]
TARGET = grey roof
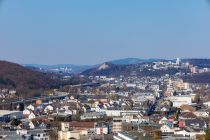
[13, 137]
[199, 123]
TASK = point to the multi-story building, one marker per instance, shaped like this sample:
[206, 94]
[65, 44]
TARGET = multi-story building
[117, 125]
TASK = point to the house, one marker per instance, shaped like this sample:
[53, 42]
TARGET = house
[201, 113]
[118, 113]
[164, 120]
[30, 107]
[207, 104]
[48, 109]
[87, 125]
[188, 108]
[189, 132]
[39, 134]
[193, 123]
[187, 115]
[31, 125]
[31, 116]
[196, 123]
[166, 129]
[155, 118]
[36, 134]
[164, 109]
[26, 112]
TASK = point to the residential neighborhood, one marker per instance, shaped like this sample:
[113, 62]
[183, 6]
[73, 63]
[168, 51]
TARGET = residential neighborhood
[119, 108]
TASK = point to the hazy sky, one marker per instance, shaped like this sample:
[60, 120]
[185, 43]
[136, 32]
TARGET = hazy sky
[94, 31]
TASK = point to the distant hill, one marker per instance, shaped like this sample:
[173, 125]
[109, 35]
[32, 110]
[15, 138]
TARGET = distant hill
[128, 61]
[202, 63]
[16, 76]
[60, 68]
[109, 69]
[30, 82]
[71, 69]
[106, 69]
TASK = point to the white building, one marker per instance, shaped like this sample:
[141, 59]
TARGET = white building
[100, 130]
[48, 109]
[66, 133]
[117, 125]
[123, 136]
[203, 114]
[180, 100]
[178, 61]
[30, 107]
[31, 116]
[26, 112]
[191, 133]
[118, 113]
[166, 129]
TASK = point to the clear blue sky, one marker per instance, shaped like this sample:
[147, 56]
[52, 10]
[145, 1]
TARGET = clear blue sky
[94, 31]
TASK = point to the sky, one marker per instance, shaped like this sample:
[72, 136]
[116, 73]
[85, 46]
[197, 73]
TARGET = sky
[95, 31]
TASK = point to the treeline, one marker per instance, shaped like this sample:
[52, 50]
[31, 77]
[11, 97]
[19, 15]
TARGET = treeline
[202, 63]
[30, 83]
[198, 78]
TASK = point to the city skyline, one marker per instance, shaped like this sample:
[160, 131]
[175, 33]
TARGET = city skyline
[86, 33]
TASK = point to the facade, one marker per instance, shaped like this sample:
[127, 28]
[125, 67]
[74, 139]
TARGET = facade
[100, 130]
[166, 129]
[178, 101]
[67, 132]
[117, 125]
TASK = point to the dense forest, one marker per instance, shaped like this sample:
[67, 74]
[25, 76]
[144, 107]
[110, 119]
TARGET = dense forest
[198, 78]
[30, 83]
[201, 63]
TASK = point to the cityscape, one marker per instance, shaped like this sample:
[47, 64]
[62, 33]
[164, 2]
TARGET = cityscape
[104, 70]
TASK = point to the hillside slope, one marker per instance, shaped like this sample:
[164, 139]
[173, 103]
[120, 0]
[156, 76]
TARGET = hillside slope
[18, 77]
[109, 69]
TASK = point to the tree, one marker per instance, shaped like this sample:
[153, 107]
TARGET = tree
[91, 102]
[15, 122]
[207, 136]
[21, 106]
[197, 98]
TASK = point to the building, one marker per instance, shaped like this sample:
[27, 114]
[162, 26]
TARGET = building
[67, 132]
[118, 113]
[178, 101]
[36, 134]
[202, 113]
[6, 115]
[117, 125]
[166, 129]
[93, 115]
[101, 129]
